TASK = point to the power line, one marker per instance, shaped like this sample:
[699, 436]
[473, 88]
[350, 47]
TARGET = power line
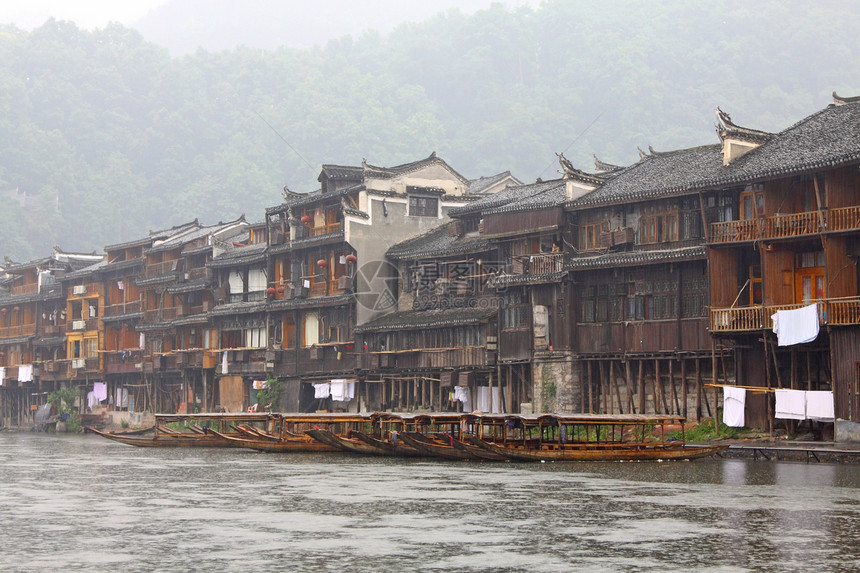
[578, 137]
[311, 167]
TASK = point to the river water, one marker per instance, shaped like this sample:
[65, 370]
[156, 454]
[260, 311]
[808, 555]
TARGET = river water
[83, 503]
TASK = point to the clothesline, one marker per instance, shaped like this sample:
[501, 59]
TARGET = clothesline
[762, 389]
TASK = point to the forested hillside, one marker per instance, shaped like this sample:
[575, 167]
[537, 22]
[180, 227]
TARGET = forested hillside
[109, 136]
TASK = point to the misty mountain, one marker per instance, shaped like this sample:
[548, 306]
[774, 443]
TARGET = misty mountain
[183, 26]
[104, 135]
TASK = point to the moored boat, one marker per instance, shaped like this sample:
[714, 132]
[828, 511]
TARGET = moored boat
[197, 434]
[586, 437]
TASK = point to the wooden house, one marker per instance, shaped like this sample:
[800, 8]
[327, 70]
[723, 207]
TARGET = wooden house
[326, 260]
[33, 320]
[784, 233]
[639, 272]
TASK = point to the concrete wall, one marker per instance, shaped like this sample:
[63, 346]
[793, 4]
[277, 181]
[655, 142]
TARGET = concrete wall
[555, 382]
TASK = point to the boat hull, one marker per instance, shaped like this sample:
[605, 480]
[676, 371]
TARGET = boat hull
[664, 452]
[178, 440]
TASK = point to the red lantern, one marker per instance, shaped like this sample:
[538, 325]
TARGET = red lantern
[270, 291]
[281, 289]
[306, 219]
[322, 263]
[4, 310]
[17, 308]
[350, 258]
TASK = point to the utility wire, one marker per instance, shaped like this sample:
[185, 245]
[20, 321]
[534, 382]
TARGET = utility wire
[312, 168]
[578, 137]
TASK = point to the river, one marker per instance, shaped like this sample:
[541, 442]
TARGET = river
[83, 503]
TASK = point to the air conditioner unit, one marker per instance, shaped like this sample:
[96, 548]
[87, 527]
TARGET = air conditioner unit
[79, 324]
[79, 289]
[78, 363]
[344, 282]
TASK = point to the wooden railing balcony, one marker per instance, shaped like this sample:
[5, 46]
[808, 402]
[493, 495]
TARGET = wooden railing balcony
[25, 289]
[843, 218]
[158, 269]
[122, 308]
[843, 311]
[324, 229]
[123, 361]
[50, 330]
[162, 314]
[834, 312]
[788, 225]
[19, 330]
[318, 289]
[538, 263]
[199, 273]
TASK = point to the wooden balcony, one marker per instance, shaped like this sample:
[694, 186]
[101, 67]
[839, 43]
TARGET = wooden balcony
[319, 289]
[123, 308]
[165, 268]
[19, 330]
[843, 219]
[25, 289]
[786, 226]
[162, 314]
[470, 356]
[51, 330]
[123, 361]
[538, 263]
[833, 312]
[199, 273]
[324, 229]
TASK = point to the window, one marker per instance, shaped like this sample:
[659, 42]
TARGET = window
[589, 235]
[255, 338]
[423, 206]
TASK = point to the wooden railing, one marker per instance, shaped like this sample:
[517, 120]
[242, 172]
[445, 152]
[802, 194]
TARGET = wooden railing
[830, 311]
[162, 314]
[324, 229]
[732, 231]
[538, 263]
[199, 273]
[318, 289]
[25, 289]
[122, 308]
[843, 311]
[786, 225]
[158, 269]
[843, 218]
[19, 330]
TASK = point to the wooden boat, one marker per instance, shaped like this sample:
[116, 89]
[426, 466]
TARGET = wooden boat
[199, 434]
[585, 437]
[160, 440]
[344, 443]
[391, 446]
[292, 445]
[434, 448]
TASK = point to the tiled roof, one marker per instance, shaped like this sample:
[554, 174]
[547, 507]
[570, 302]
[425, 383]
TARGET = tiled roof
[502, 281]
[828, 138]
[509, 196]
[437, 243]
[656, 175]
[388, 172]
[239, 256]
[192, 235]
[122, 317]
[189, 286]
[635, 258]
[481, 184]
[342, 172]
[428, 319]
[549, 196]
